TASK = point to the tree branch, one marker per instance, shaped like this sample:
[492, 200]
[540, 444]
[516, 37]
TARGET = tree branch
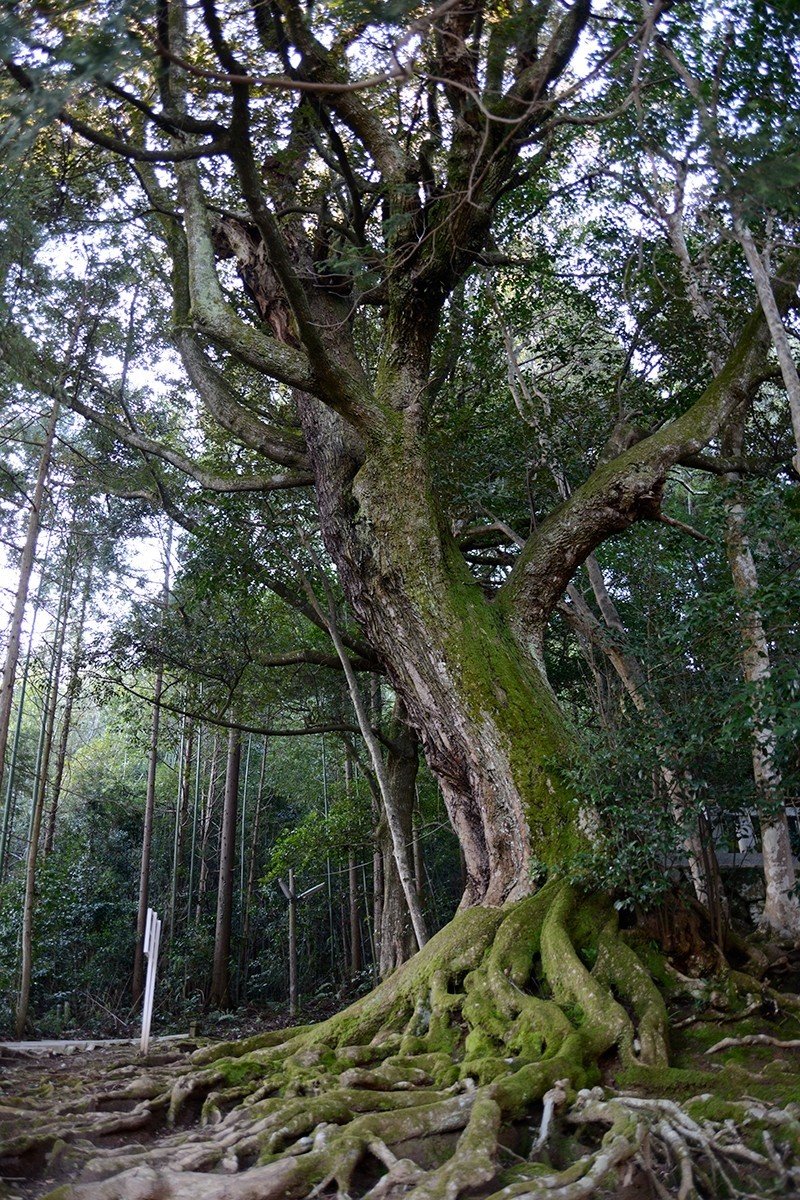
[629, 487]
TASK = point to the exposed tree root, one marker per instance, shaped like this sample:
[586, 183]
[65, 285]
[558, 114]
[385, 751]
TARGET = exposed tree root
[493, 1031]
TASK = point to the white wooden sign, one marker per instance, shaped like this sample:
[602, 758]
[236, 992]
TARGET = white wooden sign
[152, 939]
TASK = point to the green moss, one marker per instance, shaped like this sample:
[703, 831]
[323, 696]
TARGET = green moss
[496, 682]
[237, 1071]
[518, 938]
[477, 1045]
[484, 1069]
[712, 1108]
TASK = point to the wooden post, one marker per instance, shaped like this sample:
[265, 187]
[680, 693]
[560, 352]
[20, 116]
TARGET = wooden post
[152, 940]
[292, 898]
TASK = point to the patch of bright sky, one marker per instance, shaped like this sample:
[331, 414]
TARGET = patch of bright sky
[141, 573]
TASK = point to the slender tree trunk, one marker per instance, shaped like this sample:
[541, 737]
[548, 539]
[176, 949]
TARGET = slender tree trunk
[70, 696]
[147, 839]
[781, 908]
[149, 805]
[355, 923]
[181, 819]
[23, 585]
[220, 977]
[419, 864]
[208, 817]
[198, 762]
[352, 885]
[377, 894]
[396, 936]
[629, 671]
[9, 807]
[59, 640]
[400, 843]
[6, 695]
[37, 808]
[247, 901]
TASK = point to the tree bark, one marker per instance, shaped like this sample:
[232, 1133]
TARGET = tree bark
[181, 818]
[219, 996]
[59, 641]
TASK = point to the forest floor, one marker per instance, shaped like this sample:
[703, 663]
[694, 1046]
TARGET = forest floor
[403, 1094]
[55, 1076]
[53, 1073]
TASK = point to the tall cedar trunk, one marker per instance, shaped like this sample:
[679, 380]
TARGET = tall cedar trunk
[6, 695]
[59, 642]
[781, 909]
[181, 819]
[247, 899]
[70, 696]
[23, 585]
[220, 975]
[9, 806]
[149, 805]
[37, 810]
[205, 832]
[489, 723]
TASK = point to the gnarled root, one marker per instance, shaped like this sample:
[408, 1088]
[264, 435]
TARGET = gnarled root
[413, 1090]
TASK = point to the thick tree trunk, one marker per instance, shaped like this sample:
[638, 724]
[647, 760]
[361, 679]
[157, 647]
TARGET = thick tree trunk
[489, 723]
[220, 977]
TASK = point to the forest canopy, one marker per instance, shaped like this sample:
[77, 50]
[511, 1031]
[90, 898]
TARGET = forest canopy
[446, 357]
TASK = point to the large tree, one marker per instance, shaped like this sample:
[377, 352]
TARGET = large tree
[324, 180]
